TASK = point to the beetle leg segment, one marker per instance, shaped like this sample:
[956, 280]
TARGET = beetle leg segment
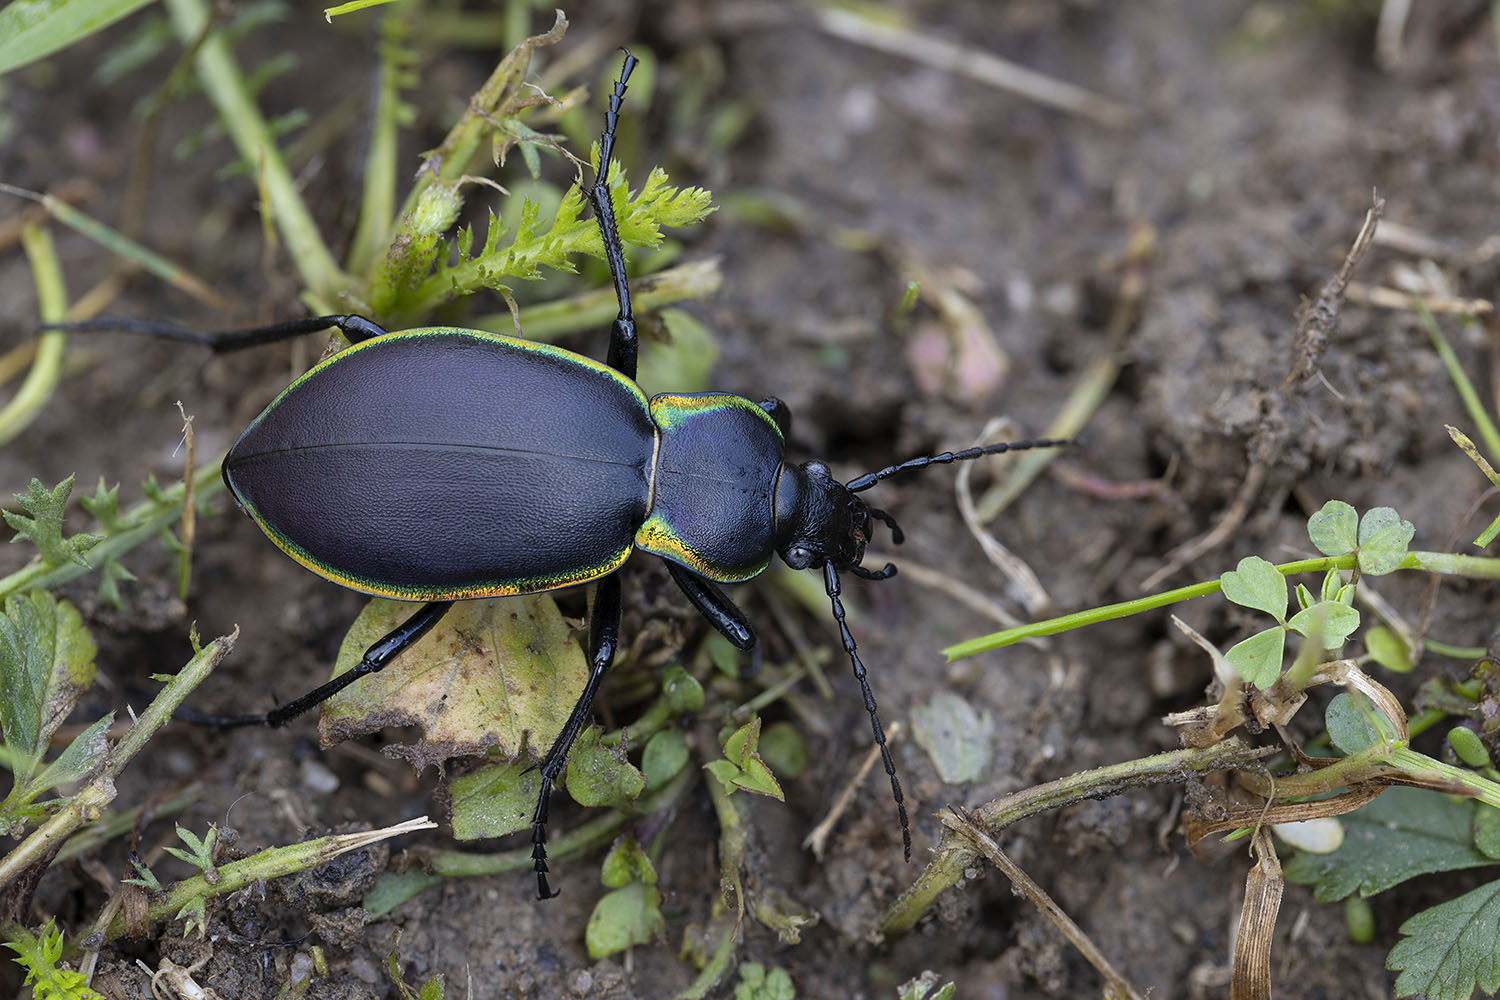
[376, 658]
[831, 582]
[713, 604]
[604, 639]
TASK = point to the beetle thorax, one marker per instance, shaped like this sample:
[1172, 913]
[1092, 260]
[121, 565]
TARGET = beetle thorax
[818, 520]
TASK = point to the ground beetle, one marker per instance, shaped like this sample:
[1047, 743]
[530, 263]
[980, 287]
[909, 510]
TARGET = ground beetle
[440, 464]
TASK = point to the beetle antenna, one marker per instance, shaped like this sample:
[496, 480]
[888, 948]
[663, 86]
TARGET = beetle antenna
[831, 582]
[869, 479]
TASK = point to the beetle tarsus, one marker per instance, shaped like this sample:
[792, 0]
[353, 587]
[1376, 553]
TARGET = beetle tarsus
[539, 843]
[883, 573]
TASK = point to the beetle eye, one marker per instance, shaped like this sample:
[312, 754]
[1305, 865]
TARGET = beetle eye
[799, 557]
[816, 469]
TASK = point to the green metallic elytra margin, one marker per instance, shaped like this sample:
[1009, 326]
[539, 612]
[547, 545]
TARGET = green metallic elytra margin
[423, 332]
[670, 410]
[490, 588]
[658, 538]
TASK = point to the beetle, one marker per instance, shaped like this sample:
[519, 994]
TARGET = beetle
[463, 464]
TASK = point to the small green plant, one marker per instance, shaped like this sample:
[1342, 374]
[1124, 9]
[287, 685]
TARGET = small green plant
[434, 989]
[39, 955]
[1447, 951]
[630, 913]
[759, 983]
[741, 767]
[921, 987]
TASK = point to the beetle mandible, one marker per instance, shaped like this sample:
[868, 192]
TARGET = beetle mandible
[544, 469]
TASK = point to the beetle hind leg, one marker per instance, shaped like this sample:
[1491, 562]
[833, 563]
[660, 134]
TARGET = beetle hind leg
[376, 658]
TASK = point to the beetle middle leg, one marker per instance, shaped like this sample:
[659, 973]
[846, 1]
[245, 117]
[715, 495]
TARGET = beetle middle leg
[604, 640]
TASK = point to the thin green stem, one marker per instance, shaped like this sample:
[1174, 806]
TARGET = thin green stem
[1473, 405]
[594, 309]
[956, 853]
[1454, 652]
[89, 802]
[123, 247]
[717, 967]
[1452, 564]
[147, 518]
[1110, 612]
[583, 838]
[224, 84]
[1413, 762]
[377, 207]
[273, 862]
[1445, 563]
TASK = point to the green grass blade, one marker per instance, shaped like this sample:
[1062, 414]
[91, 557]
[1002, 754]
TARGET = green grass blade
[31, 29]
[46, 366]
[377, 207]
[124, 247]
[1466, 391]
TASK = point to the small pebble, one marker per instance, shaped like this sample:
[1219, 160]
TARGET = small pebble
[317, 778]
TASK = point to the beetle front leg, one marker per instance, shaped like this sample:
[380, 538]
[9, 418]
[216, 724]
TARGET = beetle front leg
[604, 639]
[713, 604]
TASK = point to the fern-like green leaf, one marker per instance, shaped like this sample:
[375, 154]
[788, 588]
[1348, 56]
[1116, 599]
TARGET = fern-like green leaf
[534, 247]
[44, 525]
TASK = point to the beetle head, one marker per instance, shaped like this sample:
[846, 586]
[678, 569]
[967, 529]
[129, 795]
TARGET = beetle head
[819, 521]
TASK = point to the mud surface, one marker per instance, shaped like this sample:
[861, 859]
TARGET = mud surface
[1259, 133]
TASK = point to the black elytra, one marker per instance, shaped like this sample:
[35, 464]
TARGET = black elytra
[442, 464]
